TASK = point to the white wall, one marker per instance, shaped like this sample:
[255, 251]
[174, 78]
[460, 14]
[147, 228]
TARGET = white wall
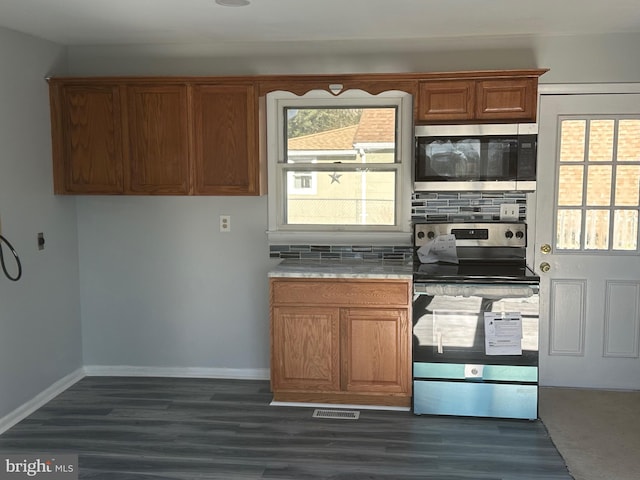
[40, 329]
[161, 286]
[578, 59]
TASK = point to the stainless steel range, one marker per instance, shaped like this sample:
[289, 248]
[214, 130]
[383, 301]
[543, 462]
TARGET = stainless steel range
[475, 322]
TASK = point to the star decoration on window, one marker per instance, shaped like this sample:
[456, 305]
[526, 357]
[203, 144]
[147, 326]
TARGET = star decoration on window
[335, 177]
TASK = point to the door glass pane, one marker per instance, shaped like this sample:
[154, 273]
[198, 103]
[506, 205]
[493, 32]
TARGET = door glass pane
[612, 185]
[570, 185]
[625, 230]
[342, 198]
[628, 185]
[601, 140]
[568, 229]
[572, 140]
[597, 230]
[629, 140]
[599, 185]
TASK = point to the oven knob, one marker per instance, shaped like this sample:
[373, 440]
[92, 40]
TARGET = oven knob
[519, 234]
[508, 234]
[420, 235]
[431, 235]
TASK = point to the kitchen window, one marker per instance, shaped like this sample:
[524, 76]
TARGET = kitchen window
[339, 167]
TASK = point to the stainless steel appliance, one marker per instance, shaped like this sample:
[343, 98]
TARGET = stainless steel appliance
[476, 157]
[475, 324]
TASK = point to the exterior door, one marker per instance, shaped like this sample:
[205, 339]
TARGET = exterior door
[587, 236]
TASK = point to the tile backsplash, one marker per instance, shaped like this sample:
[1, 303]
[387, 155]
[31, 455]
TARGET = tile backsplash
[464, 206]
[356, 253]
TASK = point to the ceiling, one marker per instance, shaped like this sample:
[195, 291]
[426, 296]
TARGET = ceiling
[120, 22]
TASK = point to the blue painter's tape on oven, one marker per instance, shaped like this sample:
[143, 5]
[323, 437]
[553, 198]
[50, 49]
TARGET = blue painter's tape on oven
[456, 371]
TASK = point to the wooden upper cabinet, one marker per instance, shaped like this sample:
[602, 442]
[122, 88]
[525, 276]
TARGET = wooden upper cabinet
[158, 139]
[511, 99]
[497, 97]
[446, 100]
[87, 139]
[225, 140]
[155, 136]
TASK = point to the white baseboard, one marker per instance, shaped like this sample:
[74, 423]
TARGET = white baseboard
[130, 371]
[339, 406]
[39, 400]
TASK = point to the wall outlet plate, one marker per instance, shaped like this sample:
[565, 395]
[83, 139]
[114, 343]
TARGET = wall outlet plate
[509, 212]
[225, 223]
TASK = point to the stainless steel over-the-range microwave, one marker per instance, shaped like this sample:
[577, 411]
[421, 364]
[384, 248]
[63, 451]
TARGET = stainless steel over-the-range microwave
[495, 157]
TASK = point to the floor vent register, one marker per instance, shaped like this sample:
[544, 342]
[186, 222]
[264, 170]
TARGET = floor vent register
[339, 414]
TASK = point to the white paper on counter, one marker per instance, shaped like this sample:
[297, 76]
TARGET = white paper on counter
[441, 249]
[503, 333]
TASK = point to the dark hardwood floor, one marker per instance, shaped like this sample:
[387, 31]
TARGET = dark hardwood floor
[183, 428]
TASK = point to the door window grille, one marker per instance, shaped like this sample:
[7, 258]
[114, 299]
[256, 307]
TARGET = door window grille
[598, 184]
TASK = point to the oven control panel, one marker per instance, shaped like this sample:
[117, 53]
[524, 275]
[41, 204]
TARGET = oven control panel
[474, 234]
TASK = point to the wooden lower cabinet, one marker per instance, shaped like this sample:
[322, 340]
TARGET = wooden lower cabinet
[374, 350]
[306, 348]
[332, 341]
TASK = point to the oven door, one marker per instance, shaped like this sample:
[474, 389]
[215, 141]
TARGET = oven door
[475, 350]
[449, 323]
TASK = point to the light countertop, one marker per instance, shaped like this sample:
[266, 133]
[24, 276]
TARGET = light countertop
[342, 269]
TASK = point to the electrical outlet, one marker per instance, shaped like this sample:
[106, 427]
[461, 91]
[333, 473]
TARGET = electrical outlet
[225, 223]
[509, 211]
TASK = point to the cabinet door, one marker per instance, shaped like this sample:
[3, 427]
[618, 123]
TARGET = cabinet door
[225, 140]
[87, 139]
[446, 100]
[506, 99]
[158, 143]
[375, 350]
[305, 349]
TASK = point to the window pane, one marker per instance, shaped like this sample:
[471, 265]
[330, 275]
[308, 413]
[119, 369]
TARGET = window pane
[572, 140]
[625, 230]
[340, 135]
[303, 183]
[628, 185]
[597, 230]
[569, 229]
[570, 185]
[599, 185]
[601, 140]
[345, 198]
[629, 141]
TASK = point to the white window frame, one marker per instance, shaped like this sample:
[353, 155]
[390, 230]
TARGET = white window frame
[280, 233]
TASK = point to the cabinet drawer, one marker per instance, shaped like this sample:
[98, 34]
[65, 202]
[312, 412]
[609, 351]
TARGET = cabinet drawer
[340, 293]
